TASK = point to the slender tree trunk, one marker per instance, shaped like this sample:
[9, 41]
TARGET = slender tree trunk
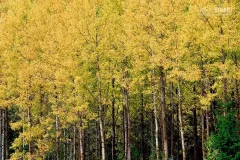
[113, 123]
[203, 112]
[57, 138]
[172, 122]
[1, 132]
[100, 107]
[126, 117]
[207, 124]
[195, 136]
[181, 122]
[237, 103]
[98, 142]
[155, 108]
[142, 129]
[81, 137]
[127, 114]
[125, 130]
[30, 147]
[224, 80]
[6, 133]
[178, 131]
[163, 114]
[155, 121]
[152, 132]
[74, 143]
[203, 134]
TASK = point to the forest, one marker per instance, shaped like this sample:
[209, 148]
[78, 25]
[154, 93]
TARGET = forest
[119, 80]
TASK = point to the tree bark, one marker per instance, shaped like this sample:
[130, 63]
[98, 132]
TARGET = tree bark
[127, 118]
[100, 107]
[237, 103]
[163, 113]
[6, 133]
[2, 135]
[207, 124]
[181, 122]
[195, 136]
[30, 147]
[142, 129]
[172, 122]
[57, 138]
[155, 108]
[74, 143]
[113, 123]
[203, 134]
[203, 112]
[81, 136]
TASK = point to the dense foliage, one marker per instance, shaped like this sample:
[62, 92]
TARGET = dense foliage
[119, 79]
[225, 143]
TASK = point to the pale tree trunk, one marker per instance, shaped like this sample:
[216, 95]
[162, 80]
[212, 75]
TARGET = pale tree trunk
[163, 114]
[81, 136]
[127, 118]
[155, 108]
[100, 107]
[181, 122]
[155, 120]
[57, 137]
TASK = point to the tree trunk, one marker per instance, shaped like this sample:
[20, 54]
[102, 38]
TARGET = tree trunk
[172, 122]
[142, 129]
[30, 147]
[224, 80]
[207, 124]
[237, 103]
[113, 123]
[203, 112]
[74, 143]
[81, 135]
[163, 114]
[155, 108]
[203, 134]
[155, 117]
[6, 133]
[127, 119]
[181, 122]
[195, 136]
[125, 130]
[2, 134]
[100, 107]
[57, 138]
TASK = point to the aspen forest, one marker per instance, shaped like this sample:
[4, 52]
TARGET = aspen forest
[119, 80]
